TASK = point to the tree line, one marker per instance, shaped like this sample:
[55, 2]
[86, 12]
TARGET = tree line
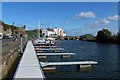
[7, 26]
[103, 36]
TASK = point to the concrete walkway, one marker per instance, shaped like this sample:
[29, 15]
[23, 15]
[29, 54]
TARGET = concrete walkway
[29, 66]
[67, 63]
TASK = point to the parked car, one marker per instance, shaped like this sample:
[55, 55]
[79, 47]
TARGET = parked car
[1, 35]
[5, 37]
[10, 37]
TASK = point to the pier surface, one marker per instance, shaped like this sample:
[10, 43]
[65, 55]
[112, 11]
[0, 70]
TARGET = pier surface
[45, 46]
[67, 63]
[47, 49]
[52, 54]
[29, 66]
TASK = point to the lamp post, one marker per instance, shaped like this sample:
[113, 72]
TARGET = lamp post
[23, 38]
[21, 43]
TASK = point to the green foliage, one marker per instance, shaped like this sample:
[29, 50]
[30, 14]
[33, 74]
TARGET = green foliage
[33, 33]
[107, 33]
[115, 37]
[87, 37]
[104, 35]
[119, 37]
[6, 26]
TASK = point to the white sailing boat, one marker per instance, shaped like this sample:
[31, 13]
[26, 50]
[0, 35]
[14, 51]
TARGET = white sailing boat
[39, 40]
[43, 41]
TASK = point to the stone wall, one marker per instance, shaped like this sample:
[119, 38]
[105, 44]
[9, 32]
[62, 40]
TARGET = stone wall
[8, 62]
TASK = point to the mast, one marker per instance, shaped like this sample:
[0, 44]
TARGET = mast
[39, 29]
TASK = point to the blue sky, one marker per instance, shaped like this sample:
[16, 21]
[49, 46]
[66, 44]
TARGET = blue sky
[76, 18]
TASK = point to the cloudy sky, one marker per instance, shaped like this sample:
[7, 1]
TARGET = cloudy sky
[76, 18]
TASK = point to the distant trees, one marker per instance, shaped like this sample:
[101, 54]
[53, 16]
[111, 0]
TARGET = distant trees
[6, 26]
[105, 36]
[118, 36]
[34, 33]
[87, 37]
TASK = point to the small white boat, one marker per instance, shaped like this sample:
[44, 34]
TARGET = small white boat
[51, 40]
[39, 41]
[44, 41]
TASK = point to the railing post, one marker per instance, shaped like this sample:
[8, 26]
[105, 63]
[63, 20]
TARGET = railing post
[21, 43]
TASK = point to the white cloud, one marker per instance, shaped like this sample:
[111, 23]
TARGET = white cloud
[88, 14]
[102, 22]
[113, 18]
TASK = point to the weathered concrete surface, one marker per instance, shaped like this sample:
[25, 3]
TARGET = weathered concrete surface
[9, 48]
[8, 53]
[8, 63]
[29, 66]
[0, 59]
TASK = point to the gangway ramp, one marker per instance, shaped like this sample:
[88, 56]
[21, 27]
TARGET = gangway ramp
[29, 66]
[81, 63]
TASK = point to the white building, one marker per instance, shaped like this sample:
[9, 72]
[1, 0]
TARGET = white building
[53, 32]
[48, 32]
[59, 31]
[64, 34]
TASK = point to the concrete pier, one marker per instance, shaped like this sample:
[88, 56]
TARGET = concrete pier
[47, 49]
[45, 46]
[81, 64]
[29, 66]
[63, 55]
[53, 54]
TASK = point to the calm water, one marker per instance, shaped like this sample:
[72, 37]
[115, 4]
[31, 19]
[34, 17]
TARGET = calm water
[107, 56]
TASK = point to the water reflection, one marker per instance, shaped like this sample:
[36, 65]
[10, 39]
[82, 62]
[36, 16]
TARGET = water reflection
[107, 56]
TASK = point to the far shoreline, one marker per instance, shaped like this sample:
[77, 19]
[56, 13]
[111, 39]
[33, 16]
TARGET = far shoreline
[116, 42]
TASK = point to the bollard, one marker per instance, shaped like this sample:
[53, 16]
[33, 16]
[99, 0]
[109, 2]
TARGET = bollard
[49, 68]
[83, 66]
[21, 43]
[65, 56]
[42, 57]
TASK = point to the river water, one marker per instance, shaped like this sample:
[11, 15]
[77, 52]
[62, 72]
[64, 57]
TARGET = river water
[107, 56]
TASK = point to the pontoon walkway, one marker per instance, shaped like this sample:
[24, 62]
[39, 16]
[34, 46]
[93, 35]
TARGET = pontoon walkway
[45, 46]
[81, 63]
[53, 54]
[29, 66]
[46, 49]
